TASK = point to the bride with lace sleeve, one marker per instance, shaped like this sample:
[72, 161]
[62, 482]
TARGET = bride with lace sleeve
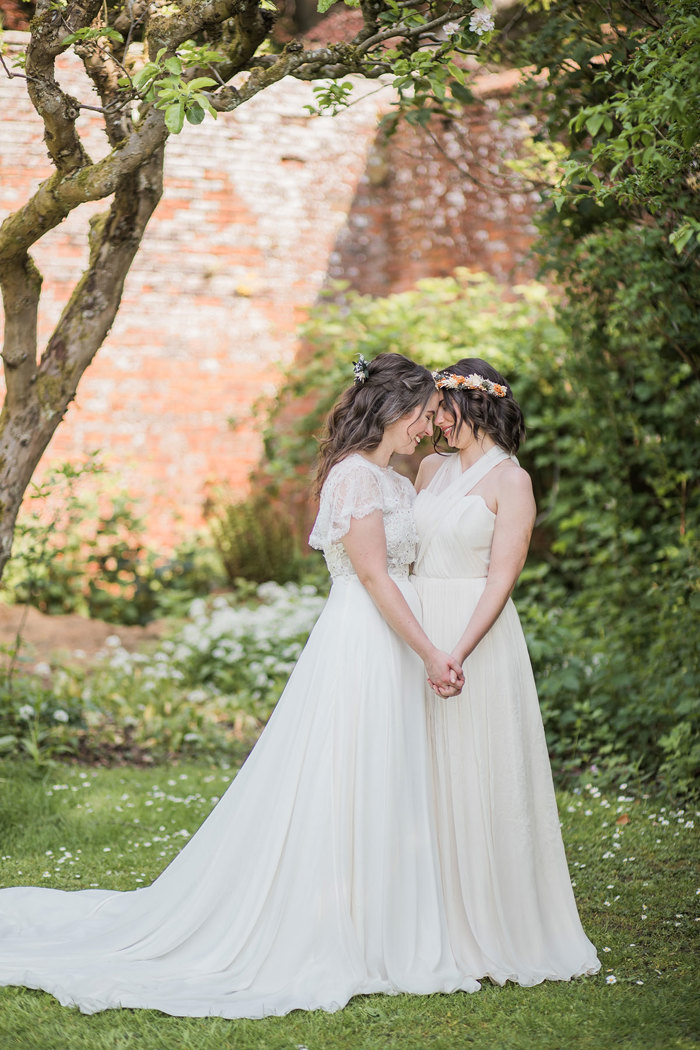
[316, 876]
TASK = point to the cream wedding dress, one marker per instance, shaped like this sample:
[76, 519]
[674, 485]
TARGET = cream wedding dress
[510, 906]
[316, 876]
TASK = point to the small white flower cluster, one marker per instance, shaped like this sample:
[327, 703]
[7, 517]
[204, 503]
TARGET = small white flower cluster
[234, 654]
[481, 21]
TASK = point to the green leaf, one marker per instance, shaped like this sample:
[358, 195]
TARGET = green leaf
[461, 92]
[195, 114]
[173, 65]
[680, 237]
[594, 123]
[175, 117]
[201, 82]
[420, 117]
[324, 5]
[202, 100]
[456, 72]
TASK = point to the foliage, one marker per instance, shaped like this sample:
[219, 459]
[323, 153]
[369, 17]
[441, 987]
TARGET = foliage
[620, 112]
[79, 548]
[634, 865]
[255, 540]
[208, 687]
[617, 84]
[610, 595]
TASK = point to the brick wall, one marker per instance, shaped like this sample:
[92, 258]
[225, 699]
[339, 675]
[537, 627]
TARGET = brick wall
[424, 207]
[260, 208]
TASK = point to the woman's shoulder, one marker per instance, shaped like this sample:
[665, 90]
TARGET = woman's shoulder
[350, 472]
[509, 473]
[514, 487]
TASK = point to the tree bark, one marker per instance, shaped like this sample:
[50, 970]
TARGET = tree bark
[39, 393]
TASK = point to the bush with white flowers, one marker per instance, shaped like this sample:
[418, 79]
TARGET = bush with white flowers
[211, 684]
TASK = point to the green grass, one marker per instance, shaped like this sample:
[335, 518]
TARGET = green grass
[114, 827]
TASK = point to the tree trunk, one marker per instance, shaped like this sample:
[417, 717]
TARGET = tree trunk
[39, 393]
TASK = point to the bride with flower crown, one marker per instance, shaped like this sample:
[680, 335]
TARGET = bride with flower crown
[510, 907]
[316, 876]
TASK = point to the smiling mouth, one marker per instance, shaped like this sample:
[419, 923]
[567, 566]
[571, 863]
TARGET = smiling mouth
[446, 431]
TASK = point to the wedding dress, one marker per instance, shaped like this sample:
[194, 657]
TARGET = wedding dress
[510, 905]
[315, 878]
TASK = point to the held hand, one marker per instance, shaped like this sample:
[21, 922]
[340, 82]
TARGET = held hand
[446, 692]
[444, 671]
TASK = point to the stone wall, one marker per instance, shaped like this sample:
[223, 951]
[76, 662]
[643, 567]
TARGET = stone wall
[261, 208]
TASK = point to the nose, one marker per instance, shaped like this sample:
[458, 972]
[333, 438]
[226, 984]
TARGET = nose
[439, 418]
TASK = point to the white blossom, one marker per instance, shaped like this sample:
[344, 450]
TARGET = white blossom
[481, 21]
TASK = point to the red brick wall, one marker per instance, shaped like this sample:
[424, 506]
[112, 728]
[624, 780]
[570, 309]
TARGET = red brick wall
[423, 208]
[260, 208]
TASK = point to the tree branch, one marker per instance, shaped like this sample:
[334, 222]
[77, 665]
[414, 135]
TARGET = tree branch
[21, 288]
[240, 38]
[59, 194]
[114, 240]
[171, 31]
[405, 32]
[58, 110]
[104, 71]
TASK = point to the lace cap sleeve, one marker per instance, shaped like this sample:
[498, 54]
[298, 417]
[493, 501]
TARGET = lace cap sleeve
[351, 490]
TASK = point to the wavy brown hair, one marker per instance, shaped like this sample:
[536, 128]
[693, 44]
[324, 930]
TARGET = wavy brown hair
[356, 423]
[499, 417]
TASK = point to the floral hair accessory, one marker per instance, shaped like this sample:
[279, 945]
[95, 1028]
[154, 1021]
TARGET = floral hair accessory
[453, 381]
[360, 369]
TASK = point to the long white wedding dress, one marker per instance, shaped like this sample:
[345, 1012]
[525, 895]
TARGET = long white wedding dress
[510, 905]
[316, 876]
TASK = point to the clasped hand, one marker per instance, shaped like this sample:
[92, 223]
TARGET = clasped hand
[445, 674]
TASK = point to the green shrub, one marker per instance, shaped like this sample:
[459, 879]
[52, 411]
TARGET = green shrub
[255, 540]
[77, 550]
[208, 687]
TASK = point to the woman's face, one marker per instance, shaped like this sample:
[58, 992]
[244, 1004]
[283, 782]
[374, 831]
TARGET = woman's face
[407, 432]
[447, 421]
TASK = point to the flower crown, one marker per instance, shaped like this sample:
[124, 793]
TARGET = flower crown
[360, 369]
[453, 381]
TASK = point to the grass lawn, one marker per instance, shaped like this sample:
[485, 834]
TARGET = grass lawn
[634, 863]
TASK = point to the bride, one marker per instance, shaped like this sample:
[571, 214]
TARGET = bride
[510, 907]
[316, 877]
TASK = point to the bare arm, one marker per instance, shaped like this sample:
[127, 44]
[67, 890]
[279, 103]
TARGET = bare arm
[515, 518]
[365, 544]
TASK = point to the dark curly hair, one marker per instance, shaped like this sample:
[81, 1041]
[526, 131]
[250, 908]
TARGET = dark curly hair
[499, 417]
[356, 423]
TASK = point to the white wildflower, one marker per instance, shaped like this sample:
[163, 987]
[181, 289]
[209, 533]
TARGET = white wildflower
[60, 715]
[26, 712]
[611, 979]
[42, 668]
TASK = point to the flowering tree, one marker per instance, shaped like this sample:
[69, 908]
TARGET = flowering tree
[154, 66]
